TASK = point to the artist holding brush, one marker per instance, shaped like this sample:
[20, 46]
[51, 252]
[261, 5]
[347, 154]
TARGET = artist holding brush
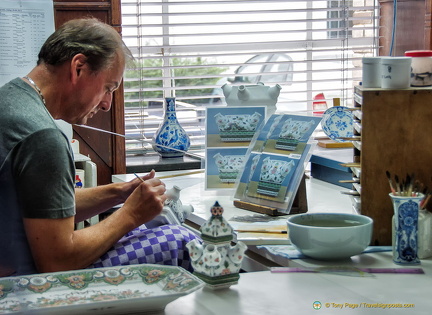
[78, 69]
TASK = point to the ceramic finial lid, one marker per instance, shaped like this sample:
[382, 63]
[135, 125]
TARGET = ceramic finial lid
[217, 209]
[216, 229]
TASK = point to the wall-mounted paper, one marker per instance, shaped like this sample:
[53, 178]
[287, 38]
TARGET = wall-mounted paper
[25, 25]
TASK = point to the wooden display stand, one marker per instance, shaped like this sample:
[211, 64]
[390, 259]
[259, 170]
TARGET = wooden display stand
[396, 136]
[299, 203]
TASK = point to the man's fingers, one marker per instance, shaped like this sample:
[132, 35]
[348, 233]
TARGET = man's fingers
[150, 175]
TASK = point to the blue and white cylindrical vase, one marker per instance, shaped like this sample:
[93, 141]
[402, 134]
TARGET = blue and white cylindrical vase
[171, 140]
[405, 229]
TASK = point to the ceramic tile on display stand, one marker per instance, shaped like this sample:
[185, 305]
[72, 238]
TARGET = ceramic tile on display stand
[229, 132]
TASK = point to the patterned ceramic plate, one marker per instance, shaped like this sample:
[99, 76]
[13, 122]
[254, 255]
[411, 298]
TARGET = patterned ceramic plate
[337, 122]
[125, 289]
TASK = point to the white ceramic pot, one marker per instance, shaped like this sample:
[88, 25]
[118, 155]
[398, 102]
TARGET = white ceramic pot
[421, 67]
[371, 72]
[395, 72]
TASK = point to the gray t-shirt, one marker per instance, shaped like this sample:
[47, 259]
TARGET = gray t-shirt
[36, 171]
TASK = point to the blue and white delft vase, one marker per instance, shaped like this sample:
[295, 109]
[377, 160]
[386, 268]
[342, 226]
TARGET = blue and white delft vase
[405, 229]
[171, 140]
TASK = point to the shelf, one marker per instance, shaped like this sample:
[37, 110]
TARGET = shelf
[78, 157]
[325, 165]
[145, 163]
[395, 128]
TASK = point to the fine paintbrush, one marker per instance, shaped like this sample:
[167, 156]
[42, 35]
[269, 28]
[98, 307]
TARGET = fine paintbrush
[354, 180]
[424, 202]
[351, 193]
[350, 164]
[139, 177]
[390, 182]
[397, 185]
[409, 184]
[175, 175]
[143, 140]
[263, 231]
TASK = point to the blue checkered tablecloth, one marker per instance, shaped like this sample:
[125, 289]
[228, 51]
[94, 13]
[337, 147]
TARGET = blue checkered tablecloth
[165, 245]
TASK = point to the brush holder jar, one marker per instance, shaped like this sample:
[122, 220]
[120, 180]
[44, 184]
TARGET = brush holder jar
[405, 229]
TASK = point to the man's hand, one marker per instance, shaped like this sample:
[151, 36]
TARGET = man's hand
[130, 186]
[55, 244]
[146, 201]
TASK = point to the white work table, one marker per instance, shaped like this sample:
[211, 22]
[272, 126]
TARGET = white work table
[321, 196]
[264, 292]
[294, 293]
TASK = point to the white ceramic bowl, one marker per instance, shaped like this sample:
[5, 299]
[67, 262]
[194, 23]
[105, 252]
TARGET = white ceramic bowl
[330, 236]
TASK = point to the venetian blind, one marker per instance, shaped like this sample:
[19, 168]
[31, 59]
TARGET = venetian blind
[190, 48]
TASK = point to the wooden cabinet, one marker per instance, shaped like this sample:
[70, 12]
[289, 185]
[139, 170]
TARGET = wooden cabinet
[107, 151]
[413, 27]
[396, 136]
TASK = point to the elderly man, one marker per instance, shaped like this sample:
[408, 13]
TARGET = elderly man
[79, 67]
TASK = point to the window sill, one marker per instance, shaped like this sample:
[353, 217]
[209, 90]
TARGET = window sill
[145, 163]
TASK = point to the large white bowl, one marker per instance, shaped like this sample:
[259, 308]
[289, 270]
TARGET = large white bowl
[329, 236]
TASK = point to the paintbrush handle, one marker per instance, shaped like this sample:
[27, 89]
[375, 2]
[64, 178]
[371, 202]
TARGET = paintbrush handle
[181, 174]
[349, 181]
[350, 164]
[136, 175]
[351, 193]
[142, 140]
[263, 231]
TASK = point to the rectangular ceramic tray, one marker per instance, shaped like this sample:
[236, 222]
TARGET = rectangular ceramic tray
[119, 290]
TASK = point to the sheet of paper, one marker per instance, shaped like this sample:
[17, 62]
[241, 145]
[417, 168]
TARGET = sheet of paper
[25, 25]
[291, 252]
[263, 238]
[275, 228]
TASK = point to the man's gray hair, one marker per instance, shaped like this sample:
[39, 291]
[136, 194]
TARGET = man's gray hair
[98, 41]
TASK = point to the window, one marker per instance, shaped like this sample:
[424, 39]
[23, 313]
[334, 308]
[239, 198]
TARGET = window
[190, 48]
[338, 25]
